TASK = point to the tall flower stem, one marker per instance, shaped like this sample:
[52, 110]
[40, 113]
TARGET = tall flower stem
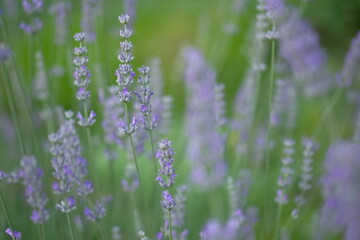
[22, 106]
[101, 230]
[138, 170]
[43, 231]
[18, 85]
[14, 115]
[5, 211]
[88, 134]
[40, 233]
[70, 226]
[170, 224]
[133, 147]
[269, 130]
[277, 223]
[153, 151]
[328, 110]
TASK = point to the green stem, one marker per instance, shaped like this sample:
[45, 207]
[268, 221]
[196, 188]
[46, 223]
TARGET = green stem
[43, 231]
[86, 115]
[170, 224]
[328, 109]
[138, 169]
[48, 120]
[102, 231]
[153, 152]
[40, 233]
[17, 90]
[278, 218]
[70, 226]
[269, 134]
[13, 113]
[5, 211]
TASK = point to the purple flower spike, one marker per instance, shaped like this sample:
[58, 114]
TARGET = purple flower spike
[340, 212]
[32, 179]
[166, 174]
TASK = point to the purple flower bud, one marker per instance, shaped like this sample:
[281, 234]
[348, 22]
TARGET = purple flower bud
[13, 234]
[128, 129]
[5, 53]
[67, 205]
[79, 37]
[124, 18]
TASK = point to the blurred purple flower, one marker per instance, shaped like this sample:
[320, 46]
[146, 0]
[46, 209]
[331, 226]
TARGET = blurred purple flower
[350, 70]
[341, 192]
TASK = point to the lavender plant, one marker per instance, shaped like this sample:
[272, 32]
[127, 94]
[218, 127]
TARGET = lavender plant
[257, 78]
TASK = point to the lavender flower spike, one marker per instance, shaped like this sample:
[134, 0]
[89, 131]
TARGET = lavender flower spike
[341, 189]
[166, 174]
[35, 196]
[125, 74]
[82, 80]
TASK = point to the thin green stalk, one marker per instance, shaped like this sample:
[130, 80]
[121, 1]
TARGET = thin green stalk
[43, 231]
[138, 170]
[170, 224]
[269, 134]
[14, 114]
[104, 236]
[277, 224]
[23, 108]
[133, 147]
[328, 109]
[88, 130]
[70, 226]
[48, 121]
[153, 151]
[40, 233]
[5, 211]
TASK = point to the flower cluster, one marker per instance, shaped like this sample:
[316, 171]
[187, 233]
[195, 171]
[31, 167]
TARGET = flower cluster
[70, 167]
[125, 74]
[285, 178]
[144, 95]
[166, 174]
[205, 147]
[82, 74]
[32, 8]
[131, 182]
[82, 80]
[35, 196]
[96, 213]
[61, 11]
[15, 235]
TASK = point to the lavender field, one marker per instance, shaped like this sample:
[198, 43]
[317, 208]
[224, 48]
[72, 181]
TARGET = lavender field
[180, 119]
